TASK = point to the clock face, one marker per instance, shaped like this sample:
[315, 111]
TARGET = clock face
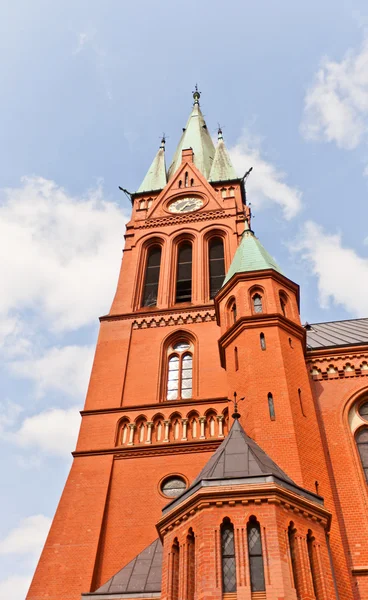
[185, 205]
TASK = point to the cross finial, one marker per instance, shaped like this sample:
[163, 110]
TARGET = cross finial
[163, 141]
[236, 414]
[196, 94]
[219, 132]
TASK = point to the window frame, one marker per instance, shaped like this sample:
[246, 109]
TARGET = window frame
[149, 249]
[214, 237]
[168, 352]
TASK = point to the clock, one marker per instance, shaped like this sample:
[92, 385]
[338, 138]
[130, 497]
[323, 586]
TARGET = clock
[185, 205]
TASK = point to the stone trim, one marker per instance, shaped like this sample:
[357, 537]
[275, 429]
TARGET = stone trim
[157, 222]
[154, 450]
[338, 366]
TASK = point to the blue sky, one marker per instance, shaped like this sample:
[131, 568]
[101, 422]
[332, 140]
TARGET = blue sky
[87, 88]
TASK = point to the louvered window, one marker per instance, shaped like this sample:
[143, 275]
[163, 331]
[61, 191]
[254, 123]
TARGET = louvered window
[184, 273]
[152, 277]
[228, 558]
[362, 443]
[216, 265]
[257, 580]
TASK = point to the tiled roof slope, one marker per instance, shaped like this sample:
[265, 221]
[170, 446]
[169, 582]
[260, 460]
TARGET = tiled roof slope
[141, 576]
[337, 333]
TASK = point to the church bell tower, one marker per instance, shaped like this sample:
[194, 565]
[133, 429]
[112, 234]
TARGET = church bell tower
[169, 496]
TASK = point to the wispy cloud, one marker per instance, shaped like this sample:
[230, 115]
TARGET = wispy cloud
[336, 104]
[267, 183]
[84, 38]
[326, 256]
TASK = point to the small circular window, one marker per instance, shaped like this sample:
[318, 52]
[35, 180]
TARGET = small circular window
[173, 486]
[363, 411]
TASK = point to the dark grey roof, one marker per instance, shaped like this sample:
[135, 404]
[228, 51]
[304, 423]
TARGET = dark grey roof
[141, 576]
[337, 333]
[239, 460]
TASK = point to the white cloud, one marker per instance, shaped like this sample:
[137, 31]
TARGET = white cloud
[83, 39]
[342, 274]
[266, 184]
[52, 431]
[14, 587]
[64, 369]
[62, 254]
[27, 538]
[336, 105]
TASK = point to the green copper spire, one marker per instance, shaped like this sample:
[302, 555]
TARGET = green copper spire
[195, 136]
[156, 175]
[250, 256]
[222, 168]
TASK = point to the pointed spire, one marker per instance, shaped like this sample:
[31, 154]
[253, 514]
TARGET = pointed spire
[155, 178]
[222, 168]
[250, 256]
[195, 136]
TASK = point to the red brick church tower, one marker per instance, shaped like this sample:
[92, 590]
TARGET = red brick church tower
[170, 494]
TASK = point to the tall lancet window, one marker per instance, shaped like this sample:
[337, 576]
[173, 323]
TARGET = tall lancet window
[184, 273]
[257, 580]
[180, 371]
[216, 265]
[228, 557]
[152, 276]
[362, 444]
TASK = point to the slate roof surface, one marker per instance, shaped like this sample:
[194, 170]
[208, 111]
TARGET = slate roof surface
[337, 333]
[250, 256]
[238, 458]
[141, 575]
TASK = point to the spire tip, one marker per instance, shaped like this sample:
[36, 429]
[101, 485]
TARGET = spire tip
[196, 95]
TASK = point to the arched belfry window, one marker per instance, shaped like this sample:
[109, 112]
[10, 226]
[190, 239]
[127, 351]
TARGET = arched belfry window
[283, 303]
[216, 265]
[257, 580]
[361, 439]
[184, 273]
[152, 276]
[180, 371]
[228, 557]
[257, 303]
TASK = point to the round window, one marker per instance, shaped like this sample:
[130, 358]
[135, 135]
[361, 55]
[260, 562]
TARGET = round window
[363, 411]
[173, 486]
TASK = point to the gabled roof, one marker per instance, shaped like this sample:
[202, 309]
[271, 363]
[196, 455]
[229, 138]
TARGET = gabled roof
[141, 576]
[155, 178]
[337, 333]
[222, 168]
[195, 136]
[250, 256]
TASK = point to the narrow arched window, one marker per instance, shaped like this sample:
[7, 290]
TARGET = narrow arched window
[271, 407]
[180, 371]
[283, 304]
[228, 557]
[262, 340]
[184, 273]
[313, 563]
[301, 402]
[232, 313]
[152, 276]
[293, 557]
[175, 571]
[257, 580]
[362, 444]
[216, 265]
[191, 573]
[236, 359]
[257, 303]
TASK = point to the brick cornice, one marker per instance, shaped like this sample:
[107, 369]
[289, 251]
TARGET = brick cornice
[158, 313]
[244, 494]
[256, 321]
[154, 450]
[156, 405]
